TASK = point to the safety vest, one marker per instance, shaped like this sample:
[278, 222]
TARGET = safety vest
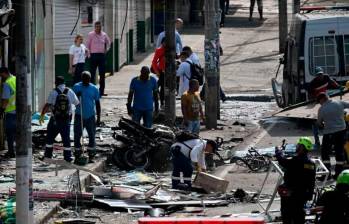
[11, 82]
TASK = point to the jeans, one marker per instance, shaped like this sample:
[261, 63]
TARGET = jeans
[90, 125]
[337, 141]
[79, 68]
[10, 131]
[181, 164]
[147, 116]
[193, 127]
[98, 60]
[54, 128]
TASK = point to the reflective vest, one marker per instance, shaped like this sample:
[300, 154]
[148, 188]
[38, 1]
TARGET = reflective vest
[11, 82]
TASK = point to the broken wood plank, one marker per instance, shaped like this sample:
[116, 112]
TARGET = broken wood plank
[210, 183]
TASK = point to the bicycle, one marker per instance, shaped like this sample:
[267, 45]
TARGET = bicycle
[252, 160]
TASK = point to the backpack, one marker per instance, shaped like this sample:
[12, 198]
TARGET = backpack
[61, 107]
[196, 73]
[183, 136]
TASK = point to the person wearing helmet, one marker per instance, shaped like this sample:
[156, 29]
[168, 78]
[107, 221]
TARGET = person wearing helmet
[299, 181]
[334, 205]
[331, 118]
[321, 83]
[186, 154]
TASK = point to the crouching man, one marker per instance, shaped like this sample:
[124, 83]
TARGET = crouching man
[185, 155]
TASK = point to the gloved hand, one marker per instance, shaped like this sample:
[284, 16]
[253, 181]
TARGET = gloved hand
[98, 122]
[278, 151]
[42, 119]
[156, 107]
[129, 109]
[2, 113]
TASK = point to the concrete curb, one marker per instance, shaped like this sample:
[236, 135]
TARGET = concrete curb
[85, 180]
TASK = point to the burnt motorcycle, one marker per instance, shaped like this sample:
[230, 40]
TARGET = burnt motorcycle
[138, 147]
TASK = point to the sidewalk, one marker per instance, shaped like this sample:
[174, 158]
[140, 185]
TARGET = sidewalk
[250, 51]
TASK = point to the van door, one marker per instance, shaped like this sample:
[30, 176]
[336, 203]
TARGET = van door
[321, 48]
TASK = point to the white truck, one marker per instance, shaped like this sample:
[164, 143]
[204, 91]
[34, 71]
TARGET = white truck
[318, 37]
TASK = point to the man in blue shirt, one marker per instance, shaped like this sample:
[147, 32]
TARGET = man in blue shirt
[144, 93]
[89, 100]
[178, 38]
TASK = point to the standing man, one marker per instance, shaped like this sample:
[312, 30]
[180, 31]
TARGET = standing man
[321, 83]
[184, 154]
[222, 7]
[98, 43]
[60, 103]
[89, 100]
[144, 94]
[179, 45]
[184, 72]
[8, 108]
[192, 108]
[331, 118]
[299, 182]
[158, 67]
[260, 9]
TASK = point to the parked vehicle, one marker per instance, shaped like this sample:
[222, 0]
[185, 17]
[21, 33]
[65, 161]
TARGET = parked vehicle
[318, 37]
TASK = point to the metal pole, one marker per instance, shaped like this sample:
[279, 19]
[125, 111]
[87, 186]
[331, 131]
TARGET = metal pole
[212, 19]
[170, 70]
[283, 29]
[24, 182]
[296, 6]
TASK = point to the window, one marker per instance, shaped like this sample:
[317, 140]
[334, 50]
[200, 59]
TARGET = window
[346, 54]
[323, 54]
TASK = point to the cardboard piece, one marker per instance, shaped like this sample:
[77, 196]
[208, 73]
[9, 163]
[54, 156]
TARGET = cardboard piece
[210, 183]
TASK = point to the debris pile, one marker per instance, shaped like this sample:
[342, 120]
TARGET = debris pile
[142, 148]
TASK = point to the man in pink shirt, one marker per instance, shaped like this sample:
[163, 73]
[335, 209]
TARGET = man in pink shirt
[98, 43]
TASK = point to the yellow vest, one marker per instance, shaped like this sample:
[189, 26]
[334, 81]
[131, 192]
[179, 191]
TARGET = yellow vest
[11, 106]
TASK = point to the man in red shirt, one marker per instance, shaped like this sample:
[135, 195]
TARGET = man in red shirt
[321, 83]
[158, 67]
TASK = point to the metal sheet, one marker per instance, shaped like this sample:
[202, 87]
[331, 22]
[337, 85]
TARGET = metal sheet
[138, 204]
[306, 110]
[203, 202]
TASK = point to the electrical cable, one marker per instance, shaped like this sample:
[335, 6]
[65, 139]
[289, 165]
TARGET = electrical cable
[123, 27]
[77, 20]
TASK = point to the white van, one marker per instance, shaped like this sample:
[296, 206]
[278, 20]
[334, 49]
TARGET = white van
[318, 37]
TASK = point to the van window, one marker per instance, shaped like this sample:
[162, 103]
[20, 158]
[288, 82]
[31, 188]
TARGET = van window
[346, 54]
[323, 54]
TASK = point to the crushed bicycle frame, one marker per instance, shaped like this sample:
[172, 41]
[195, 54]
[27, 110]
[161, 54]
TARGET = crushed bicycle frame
[274, 165]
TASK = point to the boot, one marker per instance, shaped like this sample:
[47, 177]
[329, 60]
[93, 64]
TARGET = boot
[67, 156]
[91, 155]
[77, 155]
[48, 153]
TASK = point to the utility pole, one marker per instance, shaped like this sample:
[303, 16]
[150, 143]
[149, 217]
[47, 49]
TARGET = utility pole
[283, 25]
[24, 181]
[296, 6]
[170, 61]
[212, 19]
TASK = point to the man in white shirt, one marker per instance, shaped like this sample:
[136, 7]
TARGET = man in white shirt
[179, 45]
[192, 56]
[188, 152]
[184, 73]
[60, 103]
